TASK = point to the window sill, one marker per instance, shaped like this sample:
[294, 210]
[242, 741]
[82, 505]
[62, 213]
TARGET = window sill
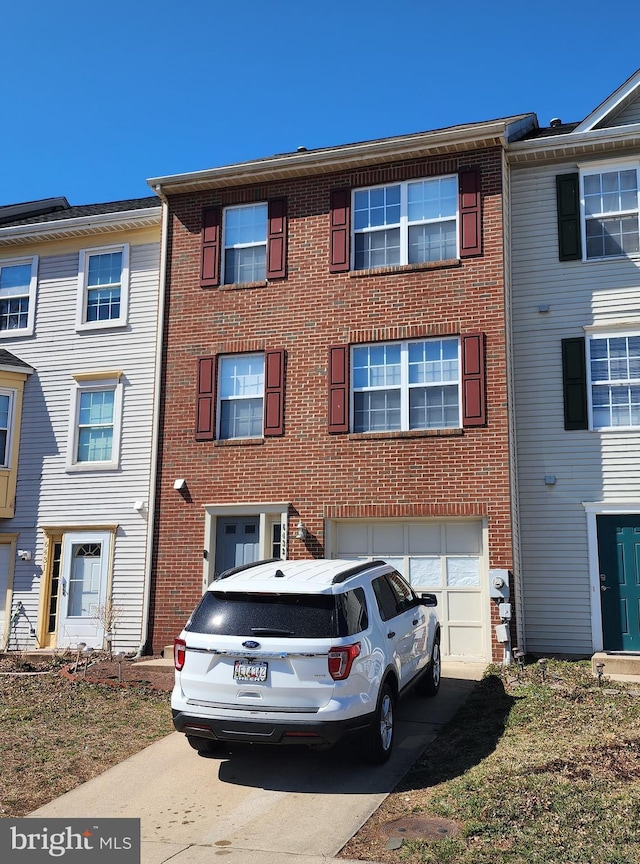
[413, 433]
[235, 286]
[238, 442]
[90, 327]
[405, 268]
[84, 467]
[18, 333]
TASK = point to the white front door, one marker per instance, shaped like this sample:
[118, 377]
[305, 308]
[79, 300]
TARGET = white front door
[5, 561]
[85, 575]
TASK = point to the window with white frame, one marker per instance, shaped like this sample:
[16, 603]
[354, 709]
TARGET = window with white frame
[405, 223]
[406, 385]
[241, 396]
[103, 287]
[7, 399]
[614, 371]
[245, 244]
[610, 201]
[18, 280]
[94, 439]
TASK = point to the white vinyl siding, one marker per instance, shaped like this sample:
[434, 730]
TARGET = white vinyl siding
[48, 494]
[553, 300]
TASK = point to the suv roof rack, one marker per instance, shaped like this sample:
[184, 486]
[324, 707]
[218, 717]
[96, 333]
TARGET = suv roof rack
[353, 571]
[226, 573]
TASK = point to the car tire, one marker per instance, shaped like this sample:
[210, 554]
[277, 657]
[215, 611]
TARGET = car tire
[377, 741]
[429, 684]
[203, 745]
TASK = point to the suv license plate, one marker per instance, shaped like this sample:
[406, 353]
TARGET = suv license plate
[250, 670]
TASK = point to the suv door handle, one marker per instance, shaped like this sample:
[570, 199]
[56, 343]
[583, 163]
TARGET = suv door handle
[415, 621]
[391, 634]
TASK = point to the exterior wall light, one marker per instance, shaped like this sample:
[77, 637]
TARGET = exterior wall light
[301, 531]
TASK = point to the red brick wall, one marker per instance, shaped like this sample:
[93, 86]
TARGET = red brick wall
[432, 474]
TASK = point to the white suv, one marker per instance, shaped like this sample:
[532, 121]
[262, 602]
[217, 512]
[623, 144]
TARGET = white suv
[304, 652]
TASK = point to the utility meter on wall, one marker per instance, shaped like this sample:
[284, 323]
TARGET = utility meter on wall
[499, 584]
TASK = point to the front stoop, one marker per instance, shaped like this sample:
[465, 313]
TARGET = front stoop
[618, 665]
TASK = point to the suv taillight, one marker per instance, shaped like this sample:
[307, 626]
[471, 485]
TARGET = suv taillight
[179, 652]
[341, 660]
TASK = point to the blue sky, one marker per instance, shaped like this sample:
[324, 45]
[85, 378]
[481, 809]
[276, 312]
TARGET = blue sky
[98, 97]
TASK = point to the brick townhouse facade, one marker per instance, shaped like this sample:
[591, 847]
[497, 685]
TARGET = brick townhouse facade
[335, 371]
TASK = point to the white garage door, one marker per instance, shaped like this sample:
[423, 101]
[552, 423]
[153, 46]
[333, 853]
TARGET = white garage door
[442, 557]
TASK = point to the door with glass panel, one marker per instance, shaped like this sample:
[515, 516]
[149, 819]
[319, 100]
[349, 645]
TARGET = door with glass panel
[83, 588]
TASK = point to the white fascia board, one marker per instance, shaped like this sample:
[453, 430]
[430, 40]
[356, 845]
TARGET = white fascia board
[573, 142]
[80, 225]
[349, 156]
[610, 104]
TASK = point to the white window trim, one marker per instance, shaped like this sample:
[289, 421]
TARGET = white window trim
[33, 283]
[404, 387]
[251, 245]
[5, 391]
[404, 223]
[604, 168]
[95, 382]
[611, 333]
[220, 400]
[83, 270]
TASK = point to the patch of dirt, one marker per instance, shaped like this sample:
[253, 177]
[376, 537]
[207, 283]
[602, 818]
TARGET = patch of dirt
[129, 673]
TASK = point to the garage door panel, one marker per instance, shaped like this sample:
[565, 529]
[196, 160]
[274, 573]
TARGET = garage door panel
[352, 540]
[388, 539]
[425, 539]
[465, 641]
[425, 572]
[463, 607]
[465, 537]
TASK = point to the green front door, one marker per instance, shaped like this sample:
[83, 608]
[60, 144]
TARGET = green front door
[619, 561]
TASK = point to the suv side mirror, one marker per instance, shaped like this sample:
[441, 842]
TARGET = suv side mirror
[428, 599]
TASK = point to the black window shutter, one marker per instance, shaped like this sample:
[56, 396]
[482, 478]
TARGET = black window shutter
[473, 380]
[206, 400]
[338, 389]
[340, 218]
[277, 239]
[574, 384]
[568, 199]
[274, 362]
[210, 247]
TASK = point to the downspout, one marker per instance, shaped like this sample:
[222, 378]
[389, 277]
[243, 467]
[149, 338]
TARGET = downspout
[155, 442]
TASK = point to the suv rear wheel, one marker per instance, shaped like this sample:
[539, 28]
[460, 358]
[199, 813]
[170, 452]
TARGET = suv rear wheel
[377, 741]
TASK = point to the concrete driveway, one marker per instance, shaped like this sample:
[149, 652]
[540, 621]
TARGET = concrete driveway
[258, 804]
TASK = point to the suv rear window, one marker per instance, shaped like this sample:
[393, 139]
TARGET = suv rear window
[306, 616]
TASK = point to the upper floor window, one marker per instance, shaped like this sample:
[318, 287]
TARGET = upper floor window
[7, 398]
[94, 439]
[18, 280]
[406, 385]
[614, 369]
[241, 392]
[103, 287]
[405, 223]
[610, 200]
[245, 244]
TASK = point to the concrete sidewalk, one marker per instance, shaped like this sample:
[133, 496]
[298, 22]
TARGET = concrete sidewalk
[259, 804]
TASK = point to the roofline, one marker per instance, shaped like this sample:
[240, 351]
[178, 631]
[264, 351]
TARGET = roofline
[611, 103]
[23, 368]
[349, 156]
[591, 143]
[81, 226]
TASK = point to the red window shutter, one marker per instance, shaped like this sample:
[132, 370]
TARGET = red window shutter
[210, 237]
[339, 389]
[274, 392]
[206, 399]
[277, 239]
[470, 213]
[340, 208]
[473, 380]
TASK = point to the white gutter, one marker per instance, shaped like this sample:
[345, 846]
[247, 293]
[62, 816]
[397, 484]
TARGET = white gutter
[155, 429]
[592, 142]
[299, 163]
[80, 224]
